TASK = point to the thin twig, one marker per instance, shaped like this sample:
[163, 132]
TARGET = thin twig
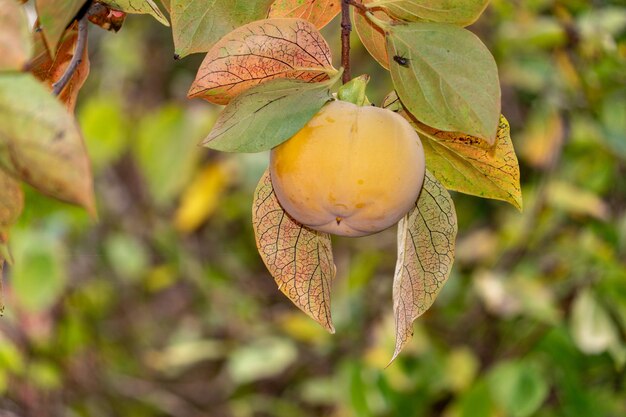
[76, 59]
[346, 27]
[357, 5]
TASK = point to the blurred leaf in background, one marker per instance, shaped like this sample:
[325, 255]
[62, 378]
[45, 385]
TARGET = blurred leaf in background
[164, 308]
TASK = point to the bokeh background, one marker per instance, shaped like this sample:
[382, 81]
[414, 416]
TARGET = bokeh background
[163, 307]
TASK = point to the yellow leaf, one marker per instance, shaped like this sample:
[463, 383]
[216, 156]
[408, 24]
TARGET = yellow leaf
[542, 139]
[201, 198]
[468, 164]
[372, 37]
[577, 201]
[318, 12]
[299, 259]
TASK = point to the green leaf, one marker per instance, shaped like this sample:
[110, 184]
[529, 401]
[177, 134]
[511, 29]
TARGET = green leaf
[450, 79]
[468, 164]
[426, 244]
[138, 7]
[38, 276]
[299, 259]
[106, 127]
[476, 402]
[168, 165]
[518, 387]
[54, 17]
[591, 326]
[267, 115]
[613, 116]
[265, 358]
[16, 46]
[40, 142]
[458, 12]
[198, 24]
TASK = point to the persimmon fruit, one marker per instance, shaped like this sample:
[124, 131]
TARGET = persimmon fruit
[350, 171]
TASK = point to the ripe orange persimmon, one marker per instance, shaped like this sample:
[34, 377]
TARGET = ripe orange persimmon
[350, 171]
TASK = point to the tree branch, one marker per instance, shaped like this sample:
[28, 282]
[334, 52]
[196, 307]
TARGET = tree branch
[77, 58]
[346, 27]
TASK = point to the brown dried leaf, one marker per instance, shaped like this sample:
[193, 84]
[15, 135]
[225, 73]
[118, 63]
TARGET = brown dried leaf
[468, 164]
[261, 51]
[318, 12]
[51, 70]
[426, 244]
[40, 142]
[299, 259]
[106, 18]
[372, 37]
[15, 42]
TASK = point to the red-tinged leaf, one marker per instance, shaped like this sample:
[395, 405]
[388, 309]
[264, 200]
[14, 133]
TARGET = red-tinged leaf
[372, 37]
[299, 259]
[426, 244]
[54, 16]
[15, 41]
[198, 24]
[468, 164]
[51, 70]
[40, 142]
[138, 7]
[318, 12]
[261, 51]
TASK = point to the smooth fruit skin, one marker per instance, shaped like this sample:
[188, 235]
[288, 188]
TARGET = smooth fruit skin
[351, 171]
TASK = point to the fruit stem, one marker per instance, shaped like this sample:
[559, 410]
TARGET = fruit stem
[354, 91]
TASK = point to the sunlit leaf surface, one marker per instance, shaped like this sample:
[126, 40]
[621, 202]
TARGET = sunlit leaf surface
[318, 12]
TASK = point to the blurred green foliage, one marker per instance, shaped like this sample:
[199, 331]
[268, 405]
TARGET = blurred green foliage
[135, 315]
